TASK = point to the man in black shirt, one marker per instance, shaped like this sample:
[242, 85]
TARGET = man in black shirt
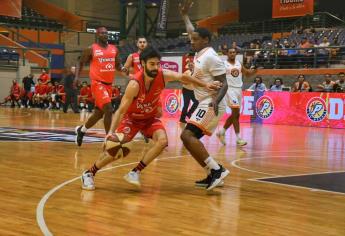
[71, 91]
[28, 82]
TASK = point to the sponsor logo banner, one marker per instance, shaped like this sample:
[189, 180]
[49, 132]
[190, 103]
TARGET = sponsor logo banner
[291, 8]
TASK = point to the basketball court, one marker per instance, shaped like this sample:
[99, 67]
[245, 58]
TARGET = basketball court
[288, 180]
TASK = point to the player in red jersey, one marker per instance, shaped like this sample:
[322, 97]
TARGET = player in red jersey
[132, 64]
[104, 59]
[14, 94]
[138, 112]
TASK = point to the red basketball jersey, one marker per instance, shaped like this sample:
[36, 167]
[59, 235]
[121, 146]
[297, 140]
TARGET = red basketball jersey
[136, 62]
[145, 105]
[102, 66]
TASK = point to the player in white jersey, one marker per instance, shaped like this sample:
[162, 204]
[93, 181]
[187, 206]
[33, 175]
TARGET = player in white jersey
[233, 97]
[208, 67]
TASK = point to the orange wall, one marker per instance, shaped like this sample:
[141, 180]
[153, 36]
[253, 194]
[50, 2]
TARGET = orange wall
[45, 36]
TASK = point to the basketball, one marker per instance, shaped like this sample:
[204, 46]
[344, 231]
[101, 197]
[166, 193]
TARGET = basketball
[113, 145]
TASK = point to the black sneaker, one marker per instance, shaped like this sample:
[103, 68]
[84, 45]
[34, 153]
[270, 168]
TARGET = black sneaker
[79, 135]
[204, 182]
[216, 177]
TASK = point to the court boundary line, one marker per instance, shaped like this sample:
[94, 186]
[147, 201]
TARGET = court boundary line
[40, 207]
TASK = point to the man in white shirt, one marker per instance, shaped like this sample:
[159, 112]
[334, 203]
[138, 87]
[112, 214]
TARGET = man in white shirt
[208, 67]
[233, 97]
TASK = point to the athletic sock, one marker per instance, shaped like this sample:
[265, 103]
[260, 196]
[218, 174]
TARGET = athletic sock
[139, 167]
[212, 164]
[93, 170]
[83, 129]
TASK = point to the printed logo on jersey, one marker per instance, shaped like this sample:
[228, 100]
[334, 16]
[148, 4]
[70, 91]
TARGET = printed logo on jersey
[98, 52]
[316, 109]
[264, 107]
[171, 103]
[235, 72]
[44, 135]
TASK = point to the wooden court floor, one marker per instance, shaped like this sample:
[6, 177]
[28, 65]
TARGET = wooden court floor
[41, 193]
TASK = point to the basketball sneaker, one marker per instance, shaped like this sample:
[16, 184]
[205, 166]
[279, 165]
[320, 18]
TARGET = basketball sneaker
[204, 182]
[221, 137]
[87, 181]
[216, 177]
[133, 177]
[79, 135]
[241, 142]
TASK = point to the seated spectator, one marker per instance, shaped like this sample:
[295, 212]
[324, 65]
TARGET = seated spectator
[249, 55]
[328, 85]
[85, 98]
[278, 85]
[340, 83]
[301, 85]
[235, 46]
[14, 95]
[258, 85]
[322, 45]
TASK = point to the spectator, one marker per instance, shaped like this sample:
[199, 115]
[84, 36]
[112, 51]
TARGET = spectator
[249, 55]
[278, 85]
[327, 85]
[235, 46]
[301, 85]
[340, 83]
[325, 43]
[258, 85]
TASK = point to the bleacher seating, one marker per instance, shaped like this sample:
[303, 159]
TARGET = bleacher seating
[8, 55]
[31, 19]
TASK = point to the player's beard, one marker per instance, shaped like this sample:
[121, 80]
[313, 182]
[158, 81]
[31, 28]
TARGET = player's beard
[151, 73]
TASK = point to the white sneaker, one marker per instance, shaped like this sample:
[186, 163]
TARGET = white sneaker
[133, 177]
[241, 142]
[221, 137]
[87, 181]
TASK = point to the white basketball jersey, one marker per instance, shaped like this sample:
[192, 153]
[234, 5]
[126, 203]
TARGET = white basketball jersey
[207, 65]
[234, 74]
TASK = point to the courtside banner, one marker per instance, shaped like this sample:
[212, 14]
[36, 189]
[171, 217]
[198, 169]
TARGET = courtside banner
[291, 8]
[281, 108]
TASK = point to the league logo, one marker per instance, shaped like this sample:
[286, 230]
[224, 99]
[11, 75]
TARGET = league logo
[171, 103]
[316, 109]
[264, 107]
